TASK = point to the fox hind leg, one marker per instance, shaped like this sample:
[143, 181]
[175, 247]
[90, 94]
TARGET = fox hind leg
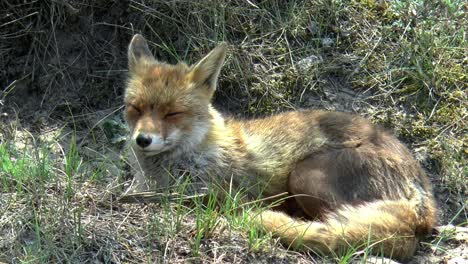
[310, 185]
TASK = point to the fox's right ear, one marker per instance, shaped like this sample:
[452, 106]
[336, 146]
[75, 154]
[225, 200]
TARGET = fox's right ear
[139, 54]
[205, 72]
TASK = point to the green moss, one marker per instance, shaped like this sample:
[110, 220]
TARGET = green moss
[451, 155]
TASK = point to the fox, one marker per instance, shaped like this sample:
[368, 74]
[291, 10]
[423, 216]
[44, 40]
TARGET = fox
[351, 180]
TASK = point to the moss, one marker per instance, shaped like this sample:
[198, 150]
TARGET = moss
[451, 154]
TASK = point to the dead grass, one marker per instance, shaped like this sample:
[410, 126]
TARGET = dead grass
[62, 71]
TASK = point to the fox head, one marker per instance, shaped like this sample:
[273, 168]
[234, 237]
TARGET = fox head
[168, 106]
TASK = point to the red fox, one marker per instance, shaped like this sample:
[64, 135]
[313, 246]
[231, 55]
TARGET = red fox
[354, 181]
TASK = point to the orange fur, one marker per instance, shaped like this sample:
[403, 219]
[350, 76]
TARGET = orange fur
[357, 181]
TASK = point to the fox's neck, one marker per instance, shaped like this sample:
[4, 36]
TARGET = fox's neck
[218, 137]
[221, 146]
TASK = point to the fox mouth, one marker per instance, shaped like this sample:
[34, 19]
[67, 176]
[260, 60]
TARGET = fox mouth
[150, 153]
[154, 152]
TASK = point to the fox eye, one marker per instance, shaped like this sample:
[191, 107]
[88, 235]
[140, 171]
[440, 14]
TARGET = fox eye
[173, 114]
[133, 107]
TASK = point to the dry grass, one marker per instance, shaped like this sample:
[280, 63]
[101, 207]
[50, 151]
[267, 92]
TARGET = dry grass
[62, 70]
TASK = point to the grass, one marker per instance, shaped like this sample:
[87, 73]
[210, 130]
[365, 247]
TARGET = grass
[68, 219]
[400, 63]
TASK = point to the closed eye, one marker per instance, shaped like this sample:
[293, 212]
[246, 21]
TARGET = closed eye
[173, 114]
[135, 108]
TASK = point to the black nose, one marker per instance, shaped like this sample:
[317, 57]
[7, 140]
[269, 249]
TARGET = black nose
[143, 140]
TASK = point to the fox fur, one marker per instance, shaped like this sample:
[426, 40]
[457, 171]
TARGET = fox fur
[353, 181]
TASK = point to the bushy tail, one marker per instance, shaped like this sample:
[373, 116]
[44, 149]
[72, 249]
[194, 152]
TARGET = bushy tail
[392, 225]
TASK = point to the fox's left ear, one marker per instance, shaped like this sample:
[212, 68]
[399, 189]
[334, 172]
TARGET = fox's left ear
[205, 72]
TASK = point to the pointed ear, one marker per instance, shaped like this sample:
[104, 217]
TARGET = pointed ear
[205, 72]
[139, 54]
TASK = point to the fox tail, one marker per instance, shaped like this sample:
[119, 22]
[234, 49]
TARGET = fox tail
[392, 225]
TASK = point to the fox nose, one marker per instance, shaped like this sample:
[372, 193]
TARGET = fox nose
[143, 140]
